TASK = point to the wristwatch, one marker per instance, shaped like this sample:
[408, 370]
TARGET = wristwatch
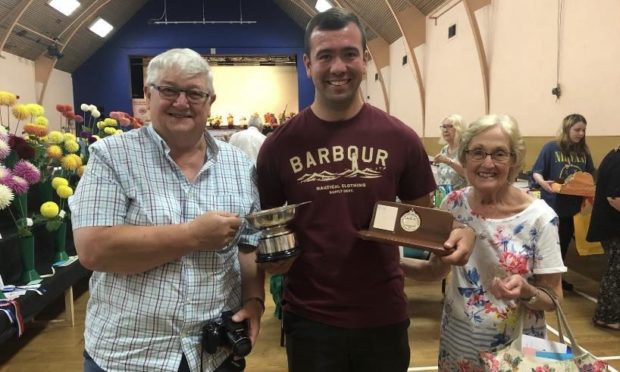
[530, 300]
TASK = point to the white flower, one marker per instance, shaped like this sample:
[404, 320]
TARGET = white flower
[92, 108]
[95, 113]
[85, 107]
[6, 196]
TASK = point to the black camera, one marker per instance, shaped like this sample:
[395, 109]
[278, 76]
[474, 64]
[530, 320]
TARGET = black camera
[225, 332]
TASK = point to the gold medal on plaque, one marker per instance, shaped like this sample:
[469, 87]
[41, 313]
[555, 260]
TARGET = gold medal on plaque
[410, 221]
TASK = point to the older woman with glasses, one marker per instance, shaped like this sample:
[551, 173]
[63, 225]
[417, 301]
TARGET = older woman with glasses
[449, 169]
[516, 250]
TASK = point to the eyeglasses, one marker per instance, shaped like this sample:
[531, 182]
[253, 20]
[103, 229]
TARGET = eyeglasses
[498, 156]
[446, 126]
[172, 93]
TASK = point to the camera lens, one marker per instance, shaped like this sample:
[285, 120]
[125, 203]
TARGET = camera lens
[242, 347]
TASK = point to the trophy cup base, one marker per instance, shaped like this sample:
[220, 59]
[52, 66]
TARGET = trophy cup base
[276, 256]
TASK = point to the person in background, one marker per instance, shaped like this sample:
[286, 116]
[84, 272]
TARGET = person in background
[517, 250]
[557, 160]
[449, 170]
[605, 227]
[250, 140]
[344, 304]
[156, 217]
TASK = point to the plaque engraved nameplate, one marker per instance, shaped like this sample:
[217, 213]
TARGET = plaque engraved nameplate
[409, 225]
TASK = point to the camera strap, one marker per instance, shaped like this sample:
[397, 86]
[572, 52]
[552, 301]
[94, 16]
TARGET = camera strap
[230, 364]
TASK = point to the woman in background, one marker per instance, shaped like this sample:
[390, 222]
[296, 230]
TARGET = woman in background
[557, 160]
[449, 169]
[516, 251]
[605, 228]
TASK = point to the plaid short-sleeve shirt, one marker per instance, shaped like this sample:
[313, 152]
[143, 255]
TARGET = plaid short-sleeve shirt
[144, 322]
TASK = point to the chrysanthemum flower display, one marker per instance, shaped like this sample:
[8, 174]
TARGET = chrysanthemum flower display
[53, 211]
[6, 196]
[18, 180]
[91, 114]
[66, 112]
[71, 162]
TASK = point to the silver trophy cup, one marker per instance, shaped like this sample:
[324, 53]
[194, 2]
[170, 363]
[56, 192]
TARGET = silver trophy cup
[277, 240]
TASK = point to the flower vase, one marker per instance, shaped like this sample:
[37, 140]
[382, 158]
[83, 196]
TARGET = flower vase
[26, 250]
[43, 192]
[60, 238]
[2, 296]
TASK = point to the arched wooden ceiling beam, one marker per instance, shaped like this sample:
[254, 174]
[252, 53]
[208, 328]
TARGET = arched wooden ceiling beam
[13, 17]
[44, 65]
[412, 25]
[305, 7]
[482, 59]
[378, 48]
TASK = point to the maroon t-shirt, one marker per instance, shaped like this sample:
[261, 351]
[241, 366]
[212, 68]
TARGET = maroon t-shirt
[343, 168]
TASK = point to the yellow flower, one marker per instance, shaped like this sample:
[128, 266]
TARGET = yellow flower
[64, 191]
[80, 171]
[41, 121]
[55, 137]
[71, 162]
[7, 98]
[54, 152]
[100, 124]
[59, 181]
[70, 137]
[35, 110]
[109, 122]
[49, 209]
[109, 130]
[71, 146]
[20, 112]
[118, 131]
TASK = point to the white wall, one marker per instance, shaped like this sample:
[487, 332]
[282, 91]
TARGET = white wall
[452, 74]
[403, 92]
[371, 88]
[17, 76]
[520, 39]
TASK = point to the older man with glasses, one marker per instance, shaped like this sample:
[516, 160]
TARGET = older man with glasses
[157, 219]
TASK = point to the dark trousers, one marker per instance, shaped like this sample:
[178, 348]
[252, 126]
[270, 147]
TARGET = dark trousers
[317, 347]
[566, 230]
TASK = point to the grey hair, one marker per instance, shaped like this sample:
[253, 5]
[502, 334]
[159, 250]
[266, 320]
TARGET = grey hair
[188, 62]
[509, 126]
[255, 122]
[459, 127]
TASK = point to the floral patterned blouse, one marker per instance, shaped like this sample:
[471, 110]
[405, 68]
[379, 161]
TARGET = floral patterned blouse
[473, 319]
[446, 175]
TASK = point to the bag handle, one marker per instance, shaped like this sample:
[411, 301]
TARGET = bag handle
[563, 324]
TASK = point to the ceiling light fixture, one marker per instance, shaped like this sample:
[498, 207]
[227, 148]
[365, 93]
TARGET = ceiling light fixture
[101, 27]
[322, 5]
[66, 7]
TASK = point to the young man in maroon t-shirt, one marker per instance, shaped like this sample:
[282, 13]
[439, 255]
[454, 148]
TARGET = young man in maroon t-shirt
[344, 302]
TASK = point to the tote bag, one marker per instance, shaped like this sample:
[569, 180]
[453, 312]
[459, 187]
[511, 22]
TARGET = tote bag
[511, 358]
[582, 224]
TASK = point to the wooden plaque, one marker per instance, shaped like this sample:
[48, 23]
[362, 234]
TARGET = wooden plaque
[409, 225]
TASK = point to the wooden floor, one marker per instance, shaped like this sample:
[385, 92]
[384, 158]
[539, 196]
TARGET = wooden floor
[54, 346]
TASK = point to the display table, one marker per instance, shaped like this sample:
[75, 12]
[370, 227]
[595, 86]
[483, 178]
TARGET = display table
[32, 303]
[52, 288]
